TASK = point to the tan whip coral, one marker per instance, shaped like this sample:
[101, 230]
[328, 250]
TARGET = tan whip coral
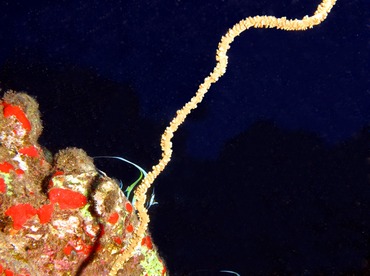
[221, 57]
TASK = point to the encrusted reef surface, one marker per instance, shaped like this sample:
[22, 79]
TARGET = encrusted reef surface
[58, 216]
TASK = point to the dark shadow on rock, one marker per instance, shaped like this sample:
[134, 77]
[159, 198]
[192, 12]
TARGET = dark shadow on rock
[82, 109]
[275, 201]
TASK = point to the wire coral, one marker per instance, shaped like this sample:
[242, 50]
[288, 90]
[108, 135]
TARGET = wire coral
[221, 57]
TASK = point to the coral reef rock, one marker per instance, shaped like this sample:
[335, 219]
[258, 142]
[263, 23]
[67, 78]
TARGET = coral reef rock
[58, 216]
